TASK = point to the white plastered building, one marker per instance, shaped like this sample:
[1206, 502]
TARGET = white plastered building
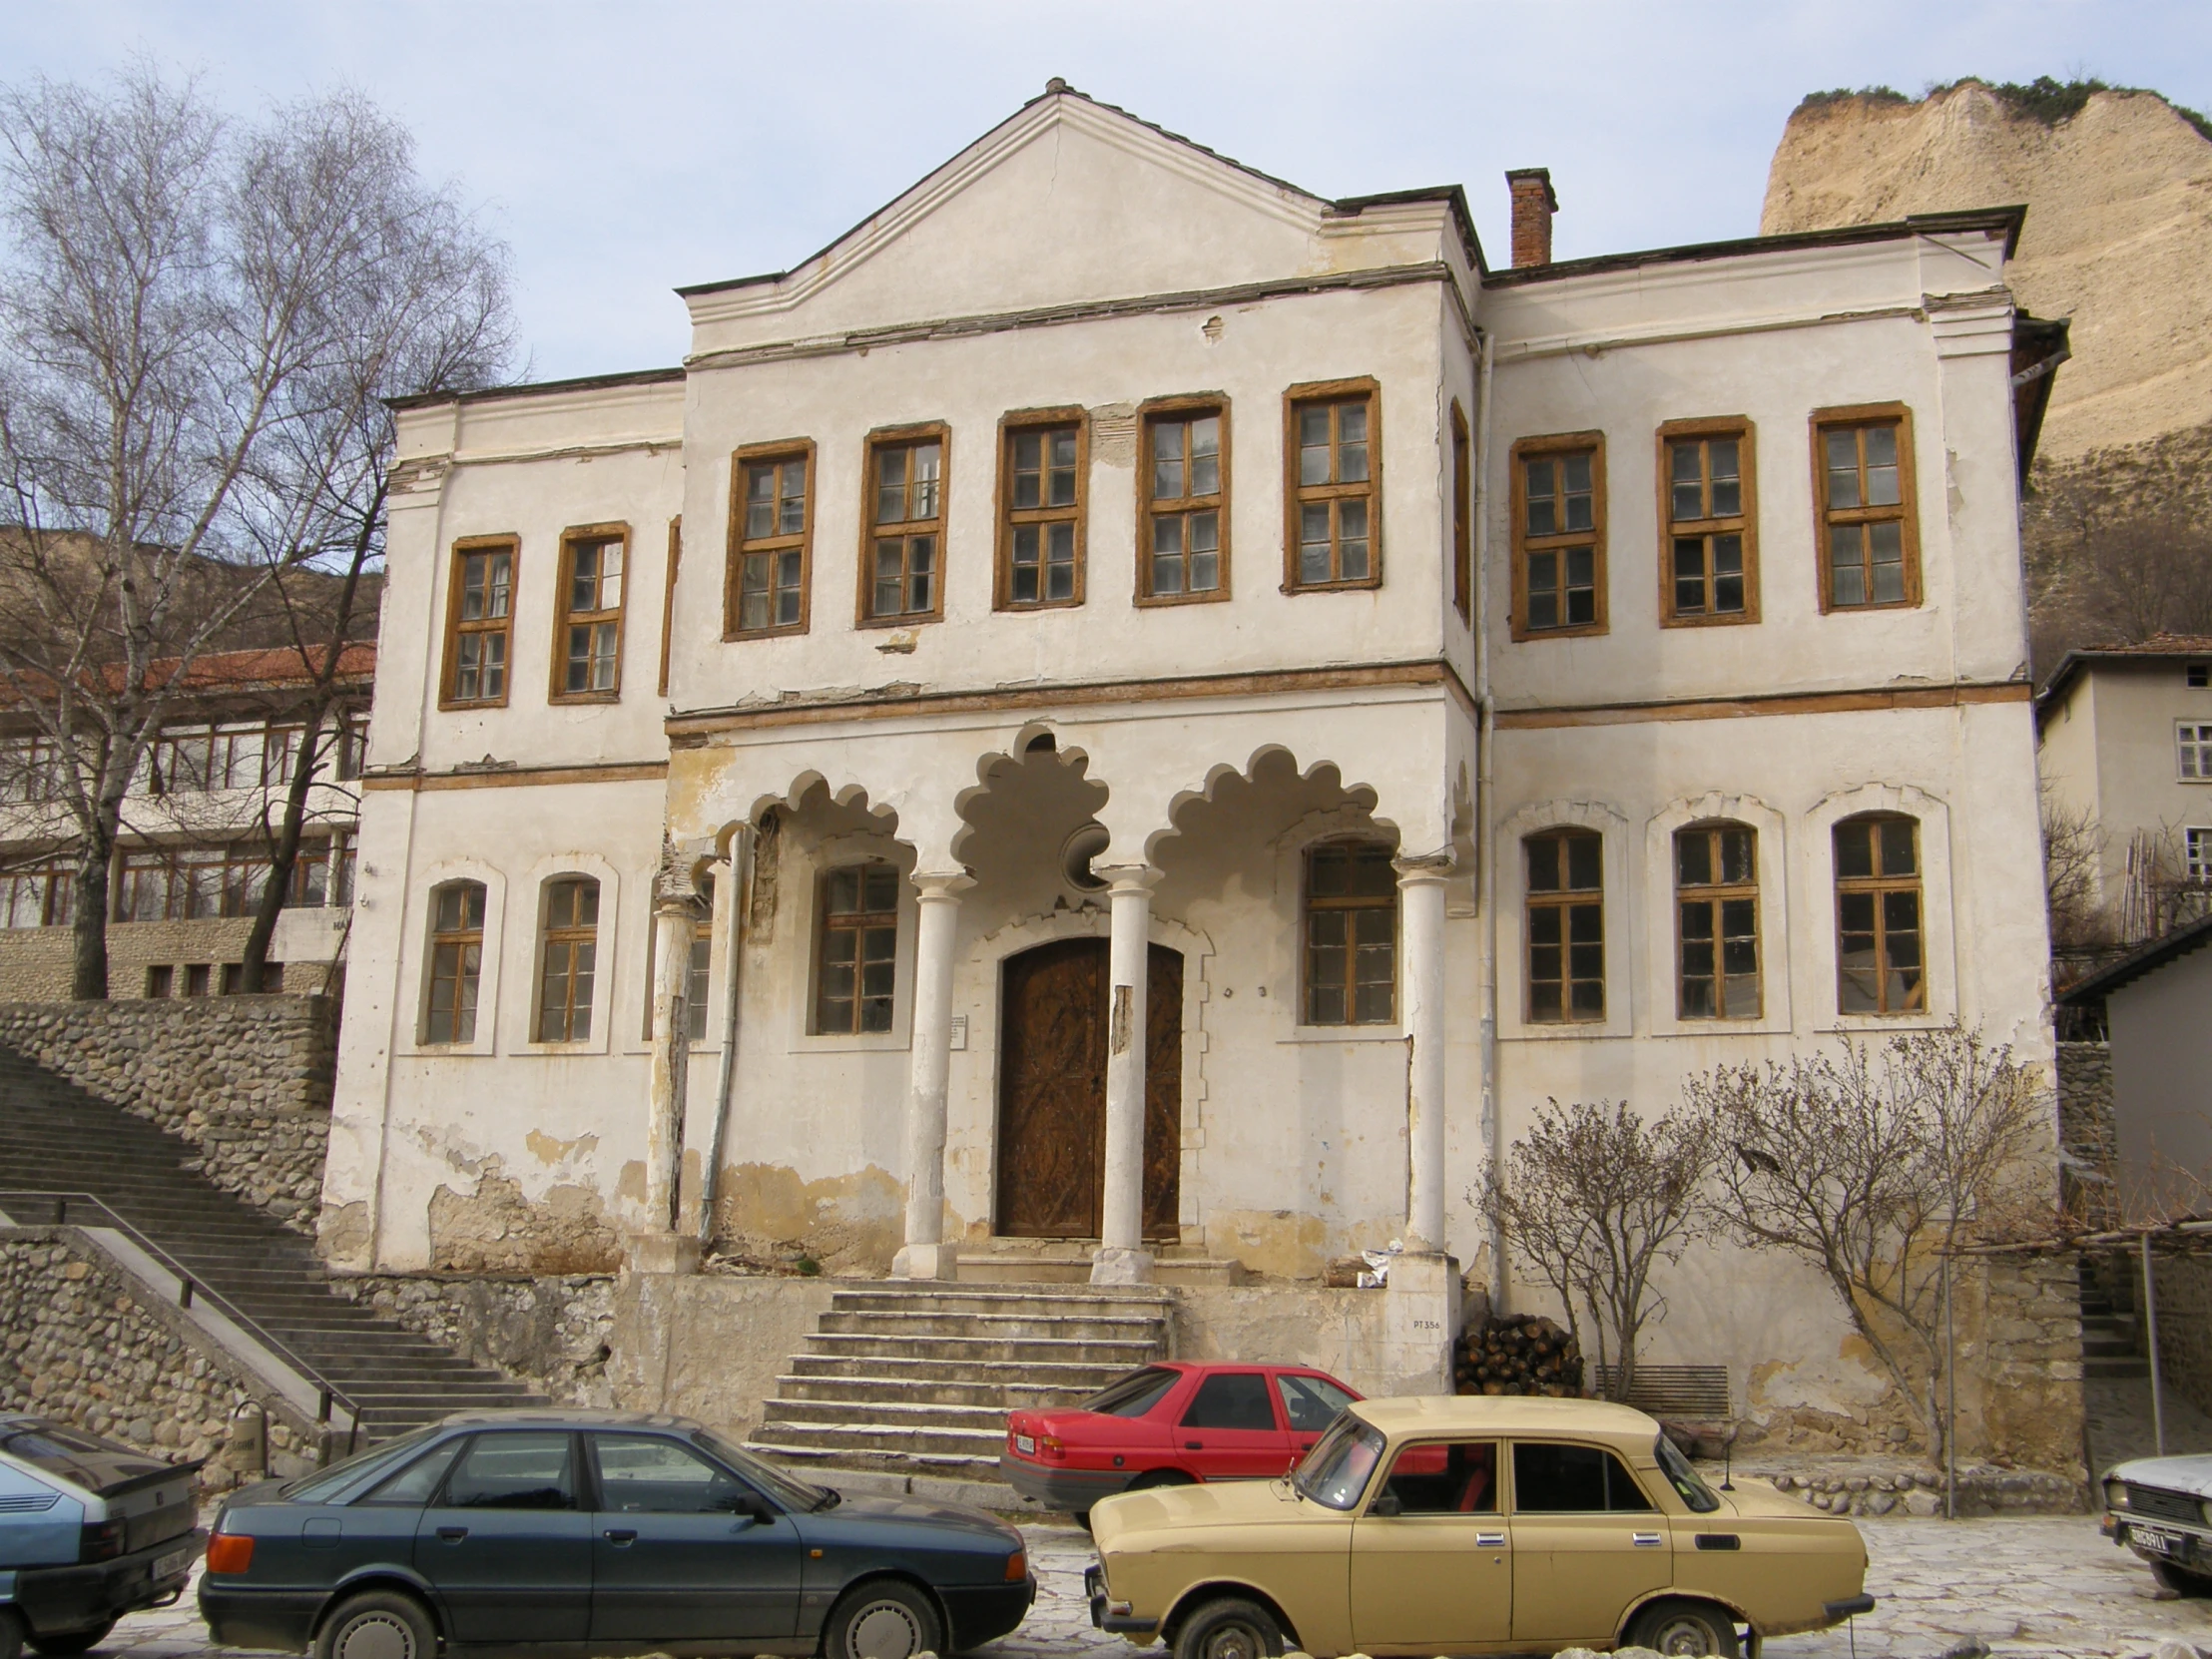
[1107, 863]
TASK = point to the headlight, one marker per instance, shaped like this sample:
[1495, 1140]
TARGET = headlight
[2205, 1510]
[2115, 1494]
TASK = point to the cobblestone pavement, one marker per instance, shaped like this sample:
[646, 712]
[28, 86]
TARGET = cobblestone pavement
[2035, 1586]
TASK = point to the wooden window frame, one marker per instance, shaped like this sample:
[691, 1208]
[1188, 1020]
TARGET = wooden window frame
[857, 923]
[1296, 495]
[2193, 745]
[1907, 512]
[1714, 894]
[1744, 524]
[668, 599]
[1563, 900]
[1309, 906]
[1530, 448]
[1011, 426]
[1463, 515]
[456, 563]
[564, 616]
[568, 937]
[1181, 408]
[1880, 885]
[732, 573]
[891, 437]
[457, 942]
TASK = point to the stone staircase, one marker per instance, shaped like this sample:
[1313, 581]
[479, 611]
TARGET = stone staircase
[2109, 1344]
[55, 1137]
[1005, 1261]
[915, 1380]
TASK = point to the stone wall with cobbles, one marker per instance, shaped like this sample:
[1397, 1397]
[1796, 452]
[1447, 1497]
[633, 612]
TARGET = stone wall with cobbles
[550, 1334]
[80, 1344]
[2185, 1325]
[244, 1079]
[2089, 1131]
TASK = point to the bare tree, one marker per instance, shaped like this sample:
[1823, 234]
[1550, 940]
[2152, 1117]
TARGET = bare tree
[1873, 1165]
[2105, 571]
[2073, 855]
[189, 322]
[1592, 1200]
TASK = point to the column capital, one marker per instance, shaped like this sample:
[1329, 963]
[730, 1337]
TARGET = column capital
[1426, 866]
[1128, 879]
[940, 886]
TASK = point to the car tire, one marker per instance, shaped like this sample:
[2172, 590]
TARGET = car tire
[1230, 1628]
[2181, 1581]
[378, 1624]
[1160, 1477]
[11, 1633]
[67, 1644]
[885, 1619]
[1685, 1630]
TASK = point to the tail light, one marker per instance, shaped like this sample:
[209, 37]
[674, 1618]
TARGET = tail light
[100, 1540]
[230, 1552]
[1048, 1446]
[1017, 1566]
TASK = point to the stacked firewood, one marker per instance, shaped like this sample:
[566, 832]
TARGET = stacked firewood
[1519, 1354]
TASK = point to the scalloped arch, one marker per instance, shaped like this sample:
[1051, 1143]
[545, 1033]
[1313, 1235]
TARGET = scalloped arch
[1364, 796]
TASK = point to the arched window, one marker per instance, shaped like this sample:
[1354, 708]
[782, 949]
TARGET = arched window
[857, 961]
[568, 959]
[1350, 934]
[456, 961]
[1878, 916]
[1566, 926]
[1716, 889]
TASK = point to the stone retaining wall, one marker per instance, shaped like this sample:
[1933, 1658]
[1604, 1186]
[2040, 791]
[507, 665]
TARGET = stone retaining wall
[2089, 1131]
[245, 1079]
[1981, 1490]
[79, 1346]
[552, 1334]
[2185, 1325]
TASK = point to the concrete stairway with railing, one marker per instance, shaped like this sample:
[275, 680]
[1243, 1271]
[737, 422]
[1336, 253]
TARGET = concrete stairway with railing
[2110, 1345]
[916, 1380]
[56, 1137]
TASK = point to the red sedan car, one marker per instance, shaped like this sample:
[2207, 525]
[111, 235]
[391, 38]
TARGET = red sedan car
[1170, 1425]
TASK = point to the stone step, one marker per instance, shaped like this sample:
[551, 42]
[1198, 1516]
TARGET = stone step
[872, 1344]
[1051, 1326]
[1005, 1396]
[818, 1461]
[887, 1436]
[1132, 1303]
[915, 1413]
[2099, 1366]
[1062, 1270]
[902, 1371]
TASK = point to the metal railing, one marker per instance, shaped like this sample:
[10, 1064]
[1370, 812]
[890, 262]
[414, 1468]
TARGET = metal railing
[191, 1287]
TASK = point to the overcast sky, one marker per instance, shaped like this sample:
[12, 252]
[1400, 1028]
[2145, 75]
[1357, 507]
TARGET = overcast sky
[624, 148]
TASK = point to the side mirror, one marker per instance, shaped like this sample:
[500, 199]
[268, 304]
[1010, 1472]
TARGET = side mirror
[1386, 1504]
[751, 1506]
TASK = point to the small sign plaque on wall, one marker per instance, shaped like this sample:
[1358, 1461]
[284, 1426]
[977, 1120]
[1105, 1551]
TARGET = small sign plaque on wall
[959, 1032]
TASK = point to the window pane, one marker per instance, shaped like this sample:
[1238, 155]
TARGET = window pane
[1352, 524]
[1728, 487]
[1738, 855]
[1843, 469]
[1854, 848]
[1313, 445]
[1231, 1399]
[643, 1474]
[1897, 847]
[1541, 488]
[514, 1471]
[1882, 466]
[1693, 858]
[1205, 456]
[1584, 861]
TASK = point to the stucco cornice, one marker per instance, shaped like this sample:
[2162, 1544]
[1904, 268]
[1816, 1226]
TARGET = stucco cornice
[1788, 702]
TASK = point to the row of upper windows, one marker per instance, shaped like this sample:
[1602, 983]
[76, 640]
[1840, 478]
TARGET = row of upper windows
[182, 884]
[1865, 523]
[193, 758]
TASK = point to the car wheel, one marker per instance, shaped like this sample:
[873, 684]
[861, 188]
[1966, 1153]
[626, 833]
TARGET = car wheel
[378, 1624]
[67, 1644]
[2181, 1581]
[1160, 1477]
[1685, 1630]
[1230, 1628]
[883, 1620]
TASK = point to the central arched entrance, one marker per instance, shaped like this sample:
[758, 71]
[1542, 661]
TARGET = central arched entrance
[1052, 1092]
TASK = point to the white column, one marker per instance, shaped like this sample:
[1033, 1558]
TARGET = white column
[925, 1255]
[1122, 1258]
[1421, 909]
[659, 1248]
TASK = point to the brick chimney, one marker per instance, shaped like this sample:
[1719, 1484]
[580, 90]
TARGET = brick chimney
[1533, 204]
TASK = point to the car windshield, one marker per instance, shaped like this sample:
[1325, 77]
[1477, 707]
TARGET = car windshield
[788, 1490]
[320, 1487]
[1336, 1471]
[1694, 1491]
[1132, 1395]
[89, 1461]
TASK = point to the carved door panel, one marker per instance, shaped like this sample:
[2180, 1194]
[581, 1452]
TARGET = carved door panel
[1163, 1092]
[1052, 1091]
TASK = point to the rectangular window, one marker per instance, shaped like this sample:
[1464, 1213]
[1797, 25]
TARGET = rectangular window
[588, 664]
[1041, 467]
[197, 975]
[192, 760]
[456, 962]
[1566, 926]
[1716, 889]
[31, 769]
[2195, 742]
[1333, 456]
[2199, 676]
[902, 546]
[1709, 554]
[1878, 916]
[1350, 934]
[695, 986]
[1864, 499]
[37, 897]
[2197, 853]
[159, 983]
[1183, 511]
[1558, 509]
[856, 966]
[569, 960]
[479, 622]
[1463, 515]
[770, 541]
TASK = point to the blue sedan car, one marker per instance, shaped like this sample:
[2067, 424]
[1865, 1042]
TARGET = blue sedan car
[602, 1533]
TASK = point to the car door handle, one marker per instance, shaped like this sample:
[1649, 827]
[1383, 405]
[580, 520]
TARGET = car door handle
[621, 1536]
[1194, 1445]
[1490, 1540]
[1647, 1540]
[451, 1534]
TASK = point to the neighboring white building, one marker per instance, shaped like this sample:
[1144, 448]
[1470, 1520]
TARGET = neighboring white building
[1219, 704]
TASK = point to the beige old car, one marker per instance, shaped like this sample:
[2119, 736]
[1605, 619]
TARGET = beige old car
[1477, 1524]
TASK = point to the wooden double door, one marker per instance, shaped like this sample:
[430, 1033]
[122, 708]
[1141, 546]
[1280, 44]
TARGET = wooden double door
[1053, 1029]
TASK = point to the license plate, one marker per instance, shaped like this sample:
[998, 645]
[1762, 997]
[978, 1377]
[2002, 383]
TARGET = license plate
[1026, 1445]
[176, 1561]
[2166, 1543]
